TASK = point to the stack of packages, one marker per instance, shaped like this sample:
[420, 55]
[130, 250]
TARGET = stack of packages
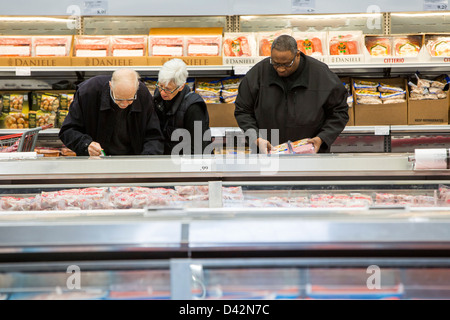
[217, 91]
[368, 92]
[14, 110]
[428, 89]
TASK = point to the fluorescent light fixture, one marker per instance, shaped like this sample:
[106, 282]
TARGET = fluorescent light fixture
[31, 19]
[319, 16]
[429, 14]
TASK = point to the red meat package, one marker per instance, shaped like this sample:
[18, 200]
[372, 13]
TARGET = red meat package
[265, 40]
[12, 46]
[128, 46]
[203, 45]
[166, 46]
[296, 147]
[309, 43]
[91, 46]
[239, 45]
[51, 46]
[344, 44]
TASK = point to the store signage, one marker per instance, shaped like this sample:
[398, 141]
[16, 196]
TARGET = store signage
[347, 59]
[435, 5]
[93, 8]
[109, 62]
[303, 6]
[394, 60]
[33, 62]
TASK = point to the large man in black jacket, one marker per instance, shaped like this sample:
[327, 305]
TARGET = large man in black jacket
[112, 114]
[293, 95]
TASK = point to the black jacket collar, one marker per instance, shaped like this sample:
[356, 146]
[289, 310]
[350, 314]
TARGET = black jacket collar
[176, 101]
[301, 81]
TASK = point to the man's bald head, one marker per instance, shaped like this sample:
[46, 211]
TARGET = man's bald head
[125, 78]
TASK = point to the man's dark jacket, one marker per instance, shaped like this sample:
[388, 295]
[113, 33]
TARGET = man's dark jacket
[315, 104]
[91, 118]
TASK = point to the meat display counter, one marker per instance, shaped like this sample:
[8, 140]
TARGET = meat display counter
[233, 227]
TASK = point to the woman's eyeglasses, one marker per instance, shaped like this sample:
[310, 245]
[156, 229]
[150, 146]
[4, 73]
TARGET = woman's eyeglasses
[167, 90]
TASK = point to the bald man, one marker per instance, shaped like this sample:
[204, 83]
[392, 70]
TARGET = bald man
[112, 115]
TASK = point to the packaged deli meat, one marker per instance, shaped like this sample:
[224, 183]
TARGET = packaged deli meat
[203, 45]
[378, 46]
[295, 147]
[237, 44]
[407, 46]
[15, 46]
[344, 43]
[309, 43]
[265, 40]
[51, 46]
[91, 46]
[438, 45]
[166, 45]
[128, 46]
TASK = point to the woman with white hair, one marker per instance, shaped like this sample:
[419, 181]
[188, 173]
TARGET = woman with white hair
[180, 108]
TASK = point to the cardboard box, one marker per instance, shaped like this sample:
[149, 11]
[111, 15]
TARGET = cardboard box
[221, 115]
[428, 111]
[381, 114]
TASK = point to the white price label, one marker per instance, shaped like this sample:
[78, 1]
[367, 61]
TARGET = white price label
[435, 5]
[196, 165]
[23, 71]
[93, 8]
[241, 70]
[382, 130]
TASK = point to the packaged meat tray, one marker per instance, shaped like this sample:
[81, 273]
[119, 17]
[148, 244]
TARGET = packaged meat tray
[296, 147]
[51, 46]
[15, 46]
[265, 40]
[128, 46]
[438, 45]
[237, 44]
[345, 43]
[91, 46]
[166, 46]
[378, 46]
[310, 43]
[203, 45]
[407, 46]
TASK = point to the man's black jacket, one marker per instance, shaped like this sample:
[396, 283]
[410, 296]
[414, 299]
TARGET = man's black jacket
[315, 104]
[91, 118]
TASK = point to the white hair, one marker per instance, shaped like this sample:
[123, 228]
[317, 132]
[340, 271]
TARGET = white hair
[125, 76]
[174, 70]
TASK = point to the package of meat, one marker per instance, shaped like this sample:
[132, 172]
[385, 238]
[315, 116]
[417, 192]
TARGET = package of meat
[407, 46]
[166, 45]
[203, 45]
[265, 40]
[91, 46]
[237, 44]
[128, 46]
[438, 45]
[15, 46]
[295, 147]
[310, 43]
[51, 46]
[378, 46]
[341, 43]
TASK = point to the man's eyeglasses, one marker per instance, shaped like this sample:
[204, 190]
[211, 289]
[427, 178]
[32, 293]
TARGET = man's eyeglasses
[167, 90]
[122, 100]
[282, 65]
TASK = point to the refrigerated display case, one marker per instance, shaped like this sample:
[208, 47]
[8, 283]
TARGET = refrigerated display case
[294, 227]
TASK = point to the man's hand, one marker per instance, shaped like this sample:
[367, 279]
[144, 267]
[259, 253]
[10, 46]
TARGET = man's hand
[95, 149]
[264, 146]
[317, 142]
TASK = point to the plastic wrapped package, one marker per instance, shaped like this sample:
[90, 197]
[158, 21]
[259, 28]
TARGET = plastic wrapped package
[378, 46]
[407, 46]
[92, 46]
[265, 39]
[51, 46]
[341, 43]
[128, 46]
[239, 44]
[438, 45]
[15, 46]
[203, 45]
[311, 43]
[166, 46]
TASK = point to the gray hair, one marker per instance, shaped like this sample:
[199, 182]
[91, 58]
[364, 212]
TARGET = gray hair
[174, 70]
[125, 76]
[285, 43]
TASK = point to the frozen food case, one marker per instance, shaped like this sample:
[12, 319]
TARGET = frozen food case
[302, 226]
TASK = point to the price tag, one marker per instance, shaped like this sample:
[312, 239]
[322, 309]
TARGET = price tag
[196, 165]
[382, 130]
[241, 70]
[303, 6]
[435, 5]
[23, 71]
[94, 8]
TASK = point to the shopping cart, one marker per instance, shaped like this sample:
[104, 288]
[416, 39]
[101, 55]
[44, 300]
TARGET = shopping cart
[21, 142]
